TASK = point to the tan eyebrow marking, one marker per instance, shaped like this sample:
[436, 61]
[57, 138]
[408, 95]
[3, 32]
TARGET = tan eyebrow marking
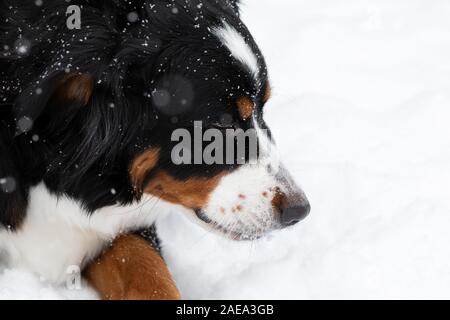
[268, 92]
[245, 106]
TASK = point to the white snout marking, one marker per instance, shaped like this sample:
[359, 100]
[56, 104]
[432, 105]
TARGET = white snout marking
[242, 202]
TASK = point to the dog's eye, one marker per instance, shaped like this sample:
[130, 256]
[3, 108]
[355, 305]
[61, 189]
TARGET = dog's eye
[222, 126]
[226, 121]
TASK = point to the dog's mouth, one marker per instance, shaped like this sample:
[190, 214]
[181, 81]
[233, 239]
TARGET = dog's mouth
[232, 233]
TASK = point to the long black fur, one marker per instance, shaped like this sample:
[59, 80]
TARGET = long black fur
[85, 151]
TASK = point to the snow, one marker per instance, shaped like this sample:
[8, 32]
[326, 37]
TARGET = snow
[360, 112]
[16, 284]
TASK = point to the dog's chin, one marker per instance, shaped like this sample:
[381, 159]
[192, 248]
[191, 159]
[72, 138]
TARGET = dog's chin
[232, 233]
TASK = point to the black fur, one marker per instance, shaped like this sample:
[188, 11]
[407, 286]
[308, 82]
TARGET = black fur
[151, 236]
[85, 151]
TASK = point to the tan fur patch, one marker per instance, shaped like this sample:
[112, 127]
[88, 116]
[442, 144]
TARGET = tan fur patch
[278, 200]
[192, 193]
[131, 270]
[76, 86]
[268, 93]
[246, 107]
[143, 164]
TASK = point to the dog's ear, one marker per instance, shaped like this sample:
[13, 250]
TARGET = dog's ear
[60, 95]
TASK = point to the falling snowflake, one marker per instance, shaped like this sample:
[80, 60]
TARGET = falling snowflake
[132, 17]
[22, 46]
[161, 98]
[8, 184]
[24, 124]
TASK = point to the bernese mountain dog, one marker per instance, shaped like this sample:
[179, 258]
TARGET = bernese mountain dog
[87, 116]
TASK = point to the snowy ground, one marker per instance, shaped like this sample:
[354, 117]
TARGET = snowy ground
[360, 112]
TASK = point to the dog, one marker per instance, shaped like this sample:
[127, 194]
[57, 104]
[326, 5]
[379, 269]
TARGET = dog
[86, 136]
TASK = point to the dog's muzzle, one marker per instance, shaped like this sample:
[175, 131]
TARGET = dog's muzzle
[291, 204]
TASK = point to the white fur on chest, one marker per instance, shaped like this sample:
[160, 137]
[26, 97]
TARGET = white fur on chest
[58, 234]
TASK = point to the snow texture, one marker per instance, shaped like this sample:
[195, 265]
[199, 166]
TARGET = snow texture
[360, 112]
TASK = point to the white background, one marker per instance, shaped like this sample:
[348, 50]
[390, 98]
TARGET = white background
[361, 114]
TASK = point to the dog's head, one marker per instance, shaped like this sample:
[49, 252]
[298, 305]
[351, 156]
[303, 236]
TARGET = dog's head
[167, 104]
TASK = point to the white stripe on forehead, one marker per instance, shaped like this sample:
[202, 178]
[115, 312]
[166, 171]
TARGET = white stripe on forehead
[238, 47]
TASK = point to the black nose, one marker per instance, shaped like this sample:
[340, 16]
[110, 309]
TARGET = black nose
[292, 215]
